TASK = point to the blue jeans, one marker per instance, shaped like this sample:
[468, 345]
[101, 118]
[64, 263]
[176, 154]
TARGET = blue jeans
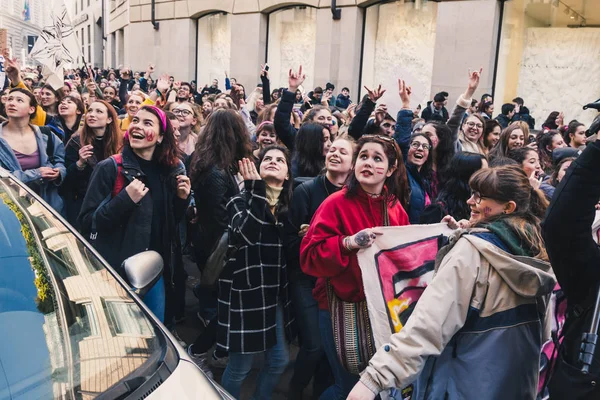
[155, 299]
[344, 381]
[240, 365]
[307, 315]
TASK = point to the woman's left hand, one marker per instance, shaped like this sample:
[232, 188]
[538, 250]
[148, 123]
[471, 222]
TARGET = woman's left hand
[361, 392]
[248, 170]
[183, 187]
[534, 181]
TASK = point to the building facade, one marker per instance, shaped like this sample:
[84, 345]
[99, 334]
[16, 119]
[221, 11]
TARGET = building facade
[520, 44]
[87, 19]
[21, 22]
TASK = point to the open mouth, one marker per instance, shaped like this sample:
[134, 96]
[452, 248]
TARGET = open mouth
[334, 161]
[137, 135]
[366, 173]
[419, 156]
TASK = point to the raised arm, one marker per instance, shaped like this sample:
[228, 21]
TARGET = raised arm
[283, 126]
[359, 122]
[13, 72]
[264, 78]
[404, 119]
[463, 103]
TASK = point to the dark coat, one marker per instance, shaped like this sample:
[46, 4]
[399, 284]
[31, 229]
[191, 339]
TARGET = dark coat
[285, 131]
[503, 120]
[212, 192]
[124, 227]
[76, 182]
[574, 255]
[255, 278]
[306, 200]
[343, 101]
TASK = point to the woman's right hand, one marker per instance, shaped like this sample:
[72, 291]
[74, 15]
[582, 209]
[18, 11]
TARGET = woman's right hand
[364, 238]
[248, 170]
[136, 190]
[404, 92]
[295, 79]
[454, 224]
[85, 153]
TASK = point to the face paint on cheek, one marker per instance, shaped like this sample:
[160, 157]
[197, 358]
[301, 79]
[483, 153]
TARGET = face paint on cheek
[149, 136]
[380, 170]
[487, 211]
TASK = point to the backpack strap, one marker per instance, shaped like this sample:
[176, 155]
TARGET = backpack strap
[117, 187]
[120, 180]
[50, 144]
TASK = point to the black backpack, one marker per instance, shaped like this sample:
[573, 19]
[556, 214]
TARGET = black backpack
[50, 143]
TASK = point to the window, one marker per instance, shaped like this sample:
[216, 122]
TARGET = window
[75, 8]
[126, 319]
[89, 34]
[85, 324]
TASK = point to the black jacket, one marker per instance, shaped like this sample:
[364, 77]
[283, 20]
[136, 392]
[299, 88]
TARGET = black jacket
[254, 281]
[212, 191]
[503, 120]
[306, 200]
[124, 227]
[76, 183]
[567, 229]
[359, 122]
[428, 113]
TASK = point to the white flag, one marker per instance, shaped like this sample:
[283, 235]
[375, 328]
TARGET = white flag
[57, 45]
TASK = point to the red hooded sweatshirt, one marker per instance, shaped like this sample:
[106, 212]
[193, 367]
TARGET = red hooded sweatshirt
[323, 254]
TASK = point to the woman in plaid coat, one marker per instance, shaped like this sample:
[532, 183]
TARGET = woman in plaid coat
[254, 303]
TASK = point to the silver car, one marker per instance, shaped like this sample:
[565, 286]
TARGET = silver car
[70, 326]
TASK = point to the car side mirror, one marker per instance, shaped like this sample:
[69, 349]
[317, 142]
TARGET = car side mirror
[143, 270]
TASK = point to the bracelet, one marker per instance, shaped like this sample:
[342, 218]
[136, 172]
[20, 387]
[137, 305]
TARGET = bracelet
[346, 242]
[80, 168]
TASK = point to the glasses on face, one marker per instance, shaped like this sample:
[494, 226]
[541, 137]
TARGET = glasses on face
[471, 124]
[182, 112]
[418, 145]
[477, 197]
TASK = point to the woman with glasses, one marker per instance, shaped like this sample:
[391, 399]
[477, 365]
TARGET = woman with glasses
[470, 134]
[189, 117]
[418, 168]
[486, 301]
[376, 195]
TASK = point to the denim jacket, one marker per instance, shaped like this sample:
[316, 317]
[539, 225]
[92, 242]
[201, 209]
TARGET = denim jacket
[48, 189]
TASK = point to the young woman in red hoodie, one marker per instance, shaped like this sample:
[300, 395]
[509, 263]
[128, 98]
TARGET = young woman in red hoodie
[346, 222]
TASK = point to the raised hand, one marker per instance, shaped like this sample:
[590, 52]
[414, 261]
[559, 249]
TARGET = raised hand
[162, 84]
[136, 190]
[13, 70]
[474, 77]
[380, 113]
[375, 94]
[295, 79]
[404, 92]
[263, 71]
[248, 170]
[176, 85]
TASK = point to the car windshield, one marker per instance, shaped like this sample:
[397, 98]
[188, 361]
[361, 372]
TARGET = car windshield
[68, 328]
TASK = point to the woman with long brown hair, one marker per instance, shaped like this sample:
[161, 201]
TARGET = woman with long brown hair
[215, 180]
[98, 139]
[377, 195]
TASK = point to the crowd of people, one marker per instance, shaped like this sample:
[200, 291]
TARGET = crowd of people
[273, 192]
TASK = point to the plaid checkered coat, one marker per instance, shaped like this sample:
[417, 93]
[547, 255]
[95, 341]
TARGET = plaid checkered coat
[255, 278]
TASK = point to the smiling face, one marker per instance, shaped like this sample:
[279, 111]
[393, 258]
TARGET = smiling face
[516, 139]
[430, 132]
[37, 93]
[18, 106]
[133, 105]
[266, 138]
[484, 207]
[47, 98]
[109, 94]
[97, 116]
[494, 136]
[144, 131]
[418, 152]
[183, 92]
[185, 115]
[339, 158]
[531, 164]
[371, 168]
[67, 108]
[472, 129]
[273, 168]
